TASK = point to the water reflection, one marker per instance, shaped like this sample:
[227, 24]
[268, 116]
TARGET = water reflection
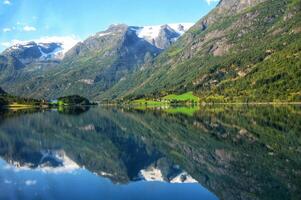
[236, 152]
[74, 110]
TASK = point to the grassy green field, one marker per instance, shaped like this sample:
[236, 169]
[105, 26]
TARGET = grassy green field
[169, 99]
[188, 96]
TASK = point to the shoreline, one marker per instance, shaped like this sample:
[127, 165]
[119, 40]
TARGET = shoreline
[257, 103]
[24, 106]
[208, 103]
[45, 106]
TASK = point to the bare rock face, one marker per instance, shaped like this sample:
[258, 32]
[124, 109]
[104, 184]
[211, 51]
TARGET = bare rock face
[235, 6]
[226, 8]
[220, 48]
[166, 37]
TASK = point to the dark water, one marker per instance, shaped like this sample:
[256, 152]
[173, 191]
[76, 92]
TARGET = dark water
[220, 152]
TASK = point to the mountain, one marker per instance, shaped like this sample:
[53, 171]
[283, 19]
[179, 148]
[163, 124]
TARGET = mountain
[92, 66]
[34, 56]
[27, 61]
[31, 52]
[241, 51]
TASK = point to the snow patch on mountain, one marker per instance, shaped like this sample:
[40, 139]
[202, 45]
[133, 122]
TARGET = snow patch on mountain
[66, 43]
[64, 164]
[56, 54]
[151, 174]
[152, 32]
[102, 34]
[183, 177]
[155, 174]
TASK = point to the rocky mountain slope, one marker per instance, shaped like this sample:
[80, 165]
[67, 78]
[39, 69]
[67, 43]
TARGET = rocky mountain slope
[241, 51]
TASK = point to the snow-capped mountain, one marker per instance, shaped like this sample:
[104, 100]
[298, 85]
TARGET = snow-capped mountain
[152, 32]
[162, 36]
[31, 51]
[45, 49]
[54, 49]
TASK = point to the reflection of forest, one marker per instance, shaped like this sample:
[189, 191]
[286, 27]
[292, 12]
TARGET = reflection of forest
[253, 149]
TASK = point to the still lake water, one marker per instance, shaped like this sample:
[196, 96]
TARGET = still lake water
[214, 152]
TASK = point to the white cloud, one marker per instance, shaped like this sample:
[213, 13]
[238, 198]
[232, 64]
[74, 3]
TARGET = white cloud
[5, 30]
[211, 1]
[6, 2]
[29, 28]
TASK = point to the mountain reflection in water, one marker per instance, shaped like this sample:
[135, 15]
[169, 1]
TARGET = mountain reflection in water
[235, 152]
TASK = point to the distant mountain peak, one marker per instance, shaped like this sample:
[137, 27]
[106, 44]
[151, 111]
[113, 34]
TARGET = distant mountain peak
[162, 36]
[29, 52]
[117, 26]
[62, 44]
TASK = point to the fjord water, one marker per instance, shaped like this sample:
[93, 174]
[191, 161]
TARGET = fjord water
[211, 152]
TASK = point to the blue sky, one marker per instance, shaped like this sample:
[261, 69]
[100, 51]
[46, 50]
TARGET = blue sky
[78, 19]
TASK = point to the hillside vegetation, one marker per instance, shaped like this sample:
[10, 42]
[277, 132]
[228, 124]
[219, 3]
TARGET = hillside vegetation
[7, 100]
[234, 54]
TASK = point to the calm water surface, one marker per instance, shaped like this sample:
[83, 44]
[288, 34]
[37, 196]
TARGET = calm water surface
[212, 152]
